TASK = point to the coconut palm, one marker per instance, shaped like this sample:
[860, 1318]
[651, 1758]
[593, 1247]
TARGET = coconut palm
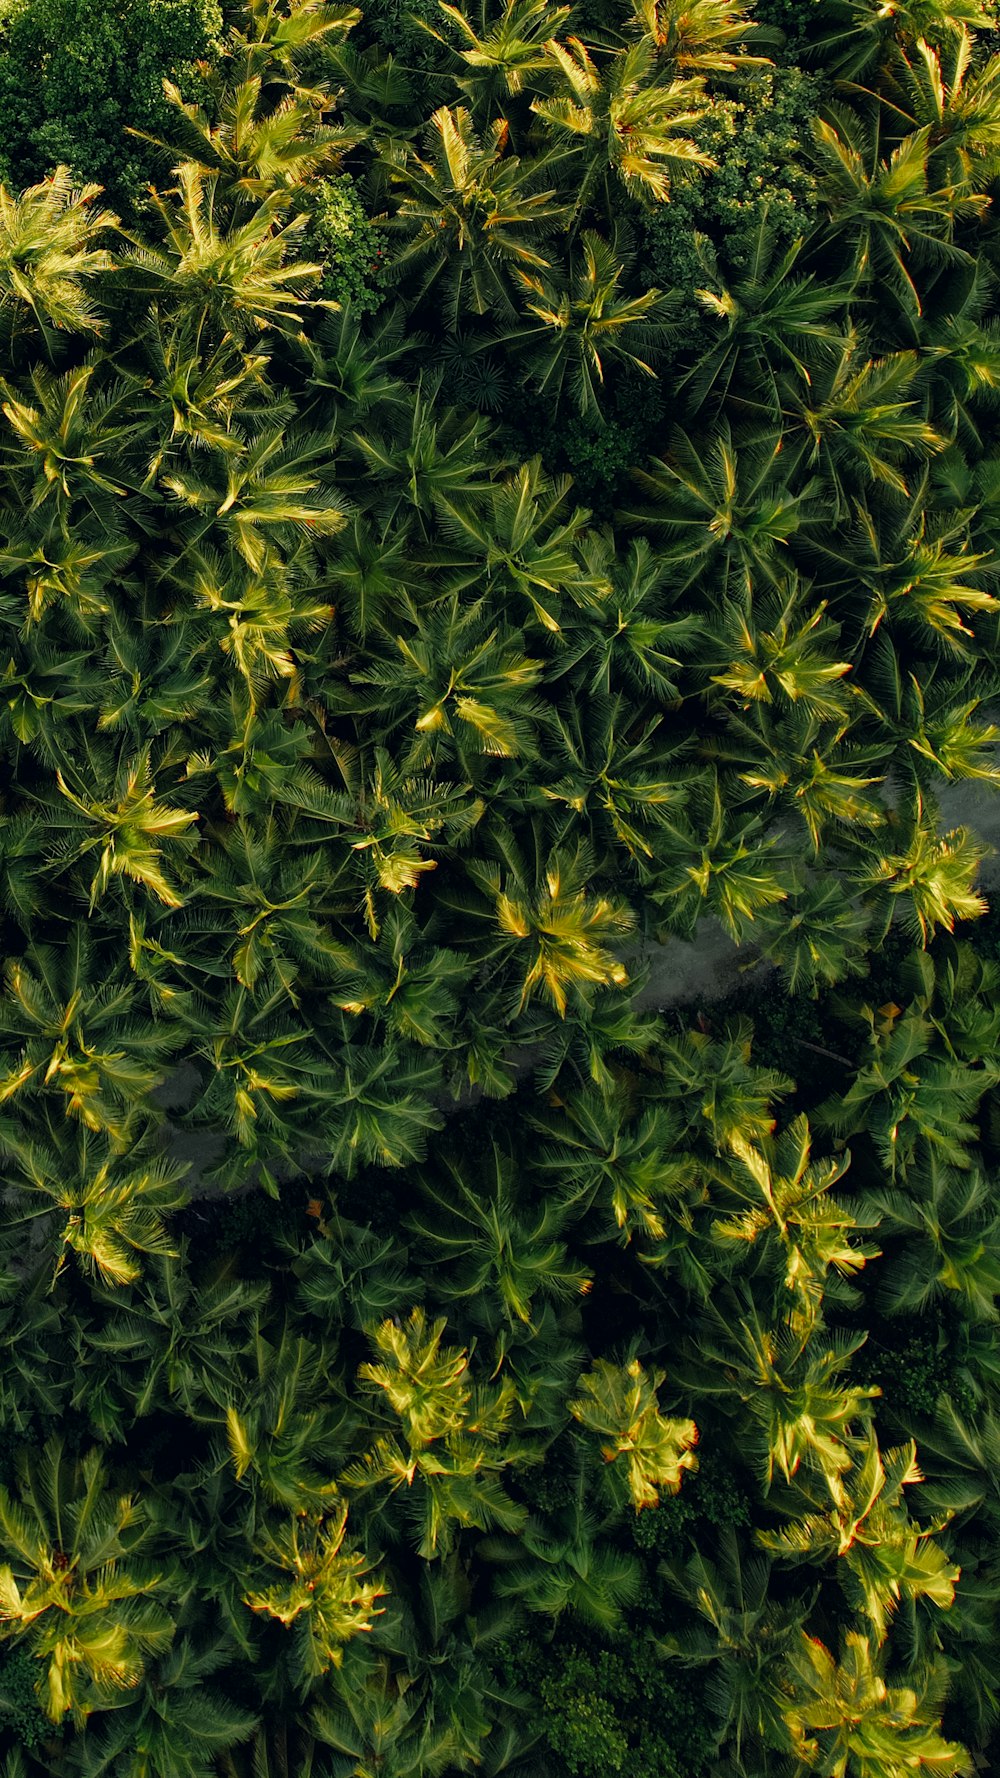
[483, 1246]
[505, 56]
[564, 1564]
[233, 277]
[843, 1715]
[742, 1639]
[445, 1436]
[74, 1584]
[882, 1555]
[886, 212]
[707, 37]
[106, 1201]
[322, 1594]
[473, 214]
[864, 30]
[778, 324]
[619, 1403]
[49, 256]
[591, 324]
[620, 119]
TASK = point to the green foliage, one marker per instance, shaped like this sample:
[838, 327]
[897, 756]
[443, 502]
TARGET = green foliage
[604, 1711]
[347, 245]
[20, 1712]
[75, 74]
[516, 496]
[763, 168]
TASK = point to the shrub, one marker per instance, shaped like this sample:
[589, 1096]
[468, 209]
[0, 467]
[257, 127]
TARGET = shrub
[74, 74]
[20, 1712]
[347, 242]
[762, 146]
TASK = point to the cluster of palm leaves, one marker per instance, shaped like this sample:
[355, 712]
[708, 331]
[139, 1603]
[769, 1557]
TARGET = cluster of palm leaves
[376, 1267]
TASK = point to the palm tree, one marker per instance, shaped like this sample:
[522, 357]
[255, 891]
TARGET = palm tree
[702, 37]
[567, 932]
[564, 1563]
[941, 87]
[710, 861]
[965, 343]
[711, 1078]
[322, 1594]
[445, 1435]
[472, 212]
[586, 325]
[457, 685]
[950, 1232]
[528, 542]
[483, 1246]
[726, 511]
[631, 1169]
[435, 457]
[75, 448]
[255, 147]
[791, 1212]
[929, 881]
[743, 1640]
[801, 1412]
[619, 1403]
[236, 278]
[176, 1727]
[863, 30]
[112, 1198]
[503, 56]
[780, 324]
[862, 422]
[175, 1339]
[843, 1717]
[73, 1583]
[79, 1037]
[882, 1555]
[885, 212]
[120, 814]
[622, 120]
[49, 256]
[279, 1431]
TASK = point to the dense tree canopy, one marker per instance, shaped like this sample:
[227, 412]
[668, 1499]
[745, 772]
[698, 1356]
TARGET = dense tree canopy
[484, 491]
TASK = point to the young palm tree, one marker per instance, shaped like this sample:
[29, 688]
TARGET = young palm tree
[558, 936]
[564, 1564]
[791, 1212]
[725, 512]
[174, 1725]
[780, 325]
[864, 30]
[106, 1201]
[941, 87]
[802, 1411]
